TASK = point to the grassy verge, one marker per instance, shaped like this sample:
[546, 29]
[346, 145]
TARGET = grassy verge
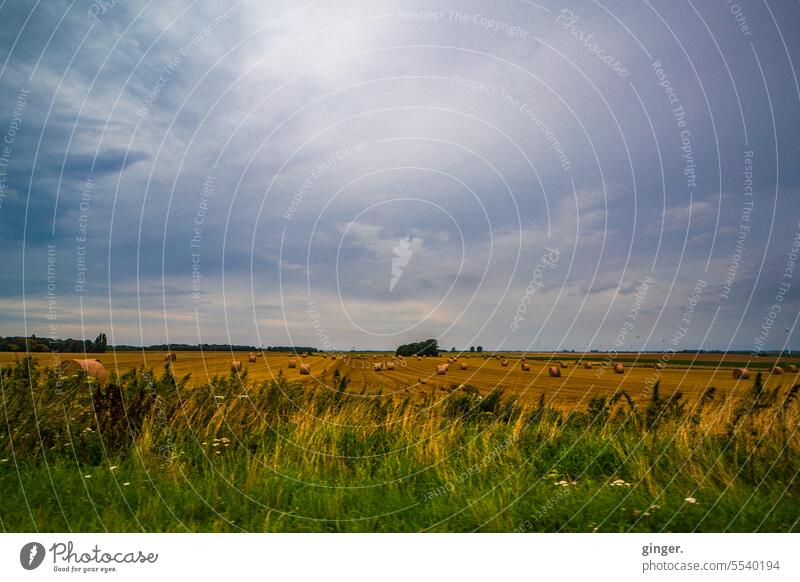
[146, 453]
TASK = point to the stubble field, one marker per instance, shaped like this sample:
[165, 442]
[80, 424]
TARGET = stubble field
[691, 374]
[349, 448]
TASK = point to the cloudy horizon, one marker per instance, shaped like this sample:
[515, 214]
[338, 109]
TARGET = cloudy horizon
[365, 174]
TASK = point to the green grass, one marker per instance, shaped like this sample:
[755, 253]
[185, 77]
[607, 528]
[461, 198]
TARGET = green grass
[276, 456]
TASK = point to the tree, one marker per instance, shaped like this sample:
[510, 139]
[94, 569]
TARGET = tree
[428, 347]
[471, 349]
[479, 349]
[453, 349]
[100, 344]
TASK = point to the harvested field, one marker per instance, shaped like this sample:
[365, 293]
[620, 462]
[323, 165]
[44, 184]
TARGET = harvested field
[575, 386]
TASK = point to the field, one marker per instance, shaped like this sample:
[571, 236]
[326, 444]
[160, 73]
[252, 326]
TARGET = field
[346, 448]
[689, 374]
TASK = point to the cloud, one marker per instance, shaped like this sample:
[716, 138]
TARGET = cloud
[697, 213]
[373, 126]
[79, 166]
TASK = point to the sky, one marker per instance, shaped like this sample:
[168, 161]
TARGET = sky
[512, 174]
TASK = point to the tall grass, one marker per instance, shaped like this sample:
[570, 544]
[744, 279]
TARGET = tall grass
[147, 453]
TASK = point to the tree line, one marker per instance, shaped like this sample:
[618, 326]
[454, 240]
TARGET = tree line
[36, 344]
[100, 346]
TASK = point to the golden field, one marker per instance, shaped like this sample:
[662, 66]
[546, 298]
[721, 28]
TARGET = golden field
[692, 374]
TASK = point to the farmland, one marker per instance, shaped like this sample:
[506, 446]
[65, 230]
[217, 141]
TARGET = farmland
[690, 374]
[347, 448]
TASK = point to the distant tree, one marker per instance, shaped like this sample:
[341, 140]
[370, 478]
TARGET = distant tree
[479, 349]
[100, 344]
[428, 347]
[453, 349]
[471, 348]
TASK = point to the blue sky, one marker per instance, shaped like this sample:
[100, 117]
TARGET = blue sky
[242, 172]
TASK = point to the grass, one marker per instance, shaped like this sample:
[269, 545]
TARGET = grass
[149, 453]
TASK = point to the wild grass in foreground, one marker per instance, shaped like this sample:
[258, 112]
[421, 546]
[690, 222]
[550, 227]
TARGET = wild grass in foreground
[146, 453]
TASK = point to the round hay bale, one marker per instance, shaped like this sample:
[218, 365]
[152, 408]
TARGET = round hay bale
[251, 357]
[390, 365]
[304, 356]
[741, 373]
[333, 356]
[619, 368]
[236, 366]
[777, 370]
[658, 366]
[171, 357]
[587, 365]
[526, 367]
[791, 368]
[554, 371]
[305, 369]
[376, 367]
[563, 364]
[504, 363]
[292, 363]
[418, 358]
[92, 367]
[441, 369]
[463, 365]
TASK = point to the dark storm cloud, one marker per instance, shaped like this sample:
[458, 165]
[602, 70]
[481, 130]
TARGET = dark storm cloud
[502, 129]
